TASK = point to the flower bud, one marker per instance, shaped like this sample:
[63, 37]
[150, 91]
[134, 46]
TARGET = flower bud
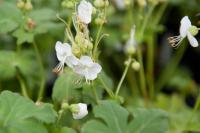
[136, 66]
[142, 3]
[99, 3]
[20, 4]
[28, 6]
[106, 3]
[31, 23]
[79, 110]
[94, 10]
[193, 30]
[67, 4]
[64, 106]
[127, 2]
[99, 21]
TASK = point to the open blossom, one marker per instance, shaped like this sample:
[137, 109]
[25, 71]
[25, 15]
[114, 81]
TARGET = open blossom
[131, 44]
[85, 11]
[186, 30]
[87, 68]
[79, 110]
[64, 55]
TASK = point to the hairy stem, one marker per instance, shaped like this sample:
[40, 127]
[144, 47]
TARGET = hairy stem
[23, 86]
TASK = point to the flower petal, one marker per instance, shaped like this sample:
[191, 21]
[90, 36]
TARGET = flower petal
[85, 11]
[62, 50]
[96, 68]
[79, 69]
[185, 24]
[86, 60]
[90, 76]
[193, 41]
[82, 111]
[71, 61]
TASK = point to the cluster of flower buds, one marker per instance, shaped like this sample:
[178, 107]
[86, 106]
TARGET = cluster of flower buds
[78, 110]
[101, 3]
[25, 5]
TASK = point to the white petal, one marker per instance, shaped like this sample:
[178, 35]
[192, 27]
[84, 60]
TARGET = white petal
[86, 60]
[193, 41]
[91, 76]
[96, 68]
[80, 69]
[82, 111]
[85, 11]
[185, 24]
[71, 61]
[62, 50]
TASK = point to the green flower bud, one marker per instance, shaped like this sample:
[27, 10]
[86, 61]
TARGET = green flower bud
[136, 66]
[106, 3]
[99, 21]
[28, 6]
[99, 3]
[74, 108]
[76, 50]
[64, 106]
[94, 10]
[67, 4]
[142, 3]
[20, 4]
[193, 30]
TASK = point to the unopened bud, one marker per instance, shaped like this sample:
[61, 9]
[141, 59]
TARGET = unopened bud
[67, 4]
[99, 3]
[79, 110]
[20, 4]
[142, 3]
[28, 6]
[99, 21]
[31, 23]
[136, 66]
[64, 106]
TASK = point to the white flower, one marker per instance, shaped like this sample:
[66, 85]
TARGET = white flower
[64, 55]
[186, 30]
[131, 45]
[85, 12]
[80, 110]
[87, 68]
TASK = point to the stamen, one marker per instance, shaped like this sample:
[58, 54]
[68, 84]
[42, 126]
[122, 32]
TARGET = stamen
[175, 41]
[59, 68]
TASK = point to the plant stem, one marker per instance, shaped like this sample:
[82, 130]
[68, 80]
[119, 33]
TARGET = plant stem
[96, 41]
[107, 89]
[150, 66]
[42, 72]
[123, 76]
[95, 94]
[141, 73]
[23, 86]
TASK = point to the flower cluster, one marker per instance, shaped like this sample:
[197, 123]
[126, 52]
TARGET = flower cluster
[78, 55]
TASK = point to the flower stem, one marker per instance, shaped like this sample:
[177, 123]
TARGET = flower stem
[95, 93]
[42, 72]
[107, 89]
[141, 74]
[23, 86]
[123, 76]
[150, 66]
[96, 41]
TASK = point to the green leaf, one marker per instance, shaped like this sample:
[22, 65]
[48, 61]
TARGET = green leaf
[21, 115]
[149, 121]
[8, 63]
[57, 129]
[7, 25]
[11, 60]
[41, 15]
[23, 36]
[66, 86]
[114, 119]
[10, 17]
